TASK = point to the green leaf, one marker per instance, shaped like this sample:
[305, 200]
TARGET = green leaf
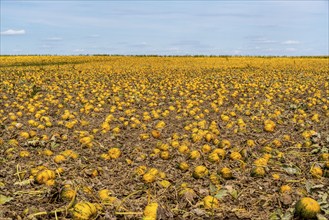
[54, 145]
[213, 189]
[321, 217]
[324, 150]
[324, 197]
[4, 199]
[276, 215]
[326, 211]
[221, 194]
[315, 151]
[287, 216]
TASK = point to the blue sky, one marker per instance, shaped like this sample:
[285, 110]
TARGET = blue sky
[165, 27]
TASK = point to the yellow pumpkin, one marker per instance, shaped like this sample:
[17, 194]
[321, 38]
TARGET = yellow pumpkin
[183, 166]
[324, 157]
[114, 153]
[150, 211]
[47, 152]
[156, 134]
[183, 149]
[59, 158]
[84, 211]
[194, 155]
[213, 157]
[141, 170]
[316, 172]
[165, 183]
[221, 152]
[258, 172]
[68, 193]
[307, 208]
[210, 202]
[261, 162]
[276, 176]
[226, 173]
[200, 172]
[206, 148]
[208, 137]
[70, 154]
[235, 156]
[24, 153]
[149, 177]
[44, 175]
[104, 194]
[165, 155]
[285, 189]
[269, 126]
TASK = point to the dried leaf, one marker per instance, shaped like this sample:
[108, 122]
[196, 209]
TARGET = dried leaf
[24, 182]
[199, 212]
[4, 199]
[234, 194]
[286, 199]
[242, 213]
[308, 186]
[291, 170]
[232, 191]
[204, 191]
[188, 194]
[318, 186]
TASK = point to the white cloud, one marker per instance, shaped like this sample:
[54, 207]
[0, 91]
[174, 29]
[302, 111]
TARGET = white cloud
[46, 46]
[290, 42]
[291, 49]
[13, 32]
[236, 52]
[94, 35]
[268, 41]
[79, 50]
[264, 41]
[54, 38]
[142, 44]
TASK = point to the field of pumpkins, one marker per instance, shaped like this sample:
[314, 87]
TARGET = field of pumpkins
[116, 137]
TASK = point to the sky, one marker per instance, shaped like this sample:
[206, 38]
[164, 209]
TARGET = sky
[231, 27]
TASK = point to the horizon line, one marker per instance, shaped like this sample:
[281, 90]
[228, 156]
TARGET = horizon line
[166, 55]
